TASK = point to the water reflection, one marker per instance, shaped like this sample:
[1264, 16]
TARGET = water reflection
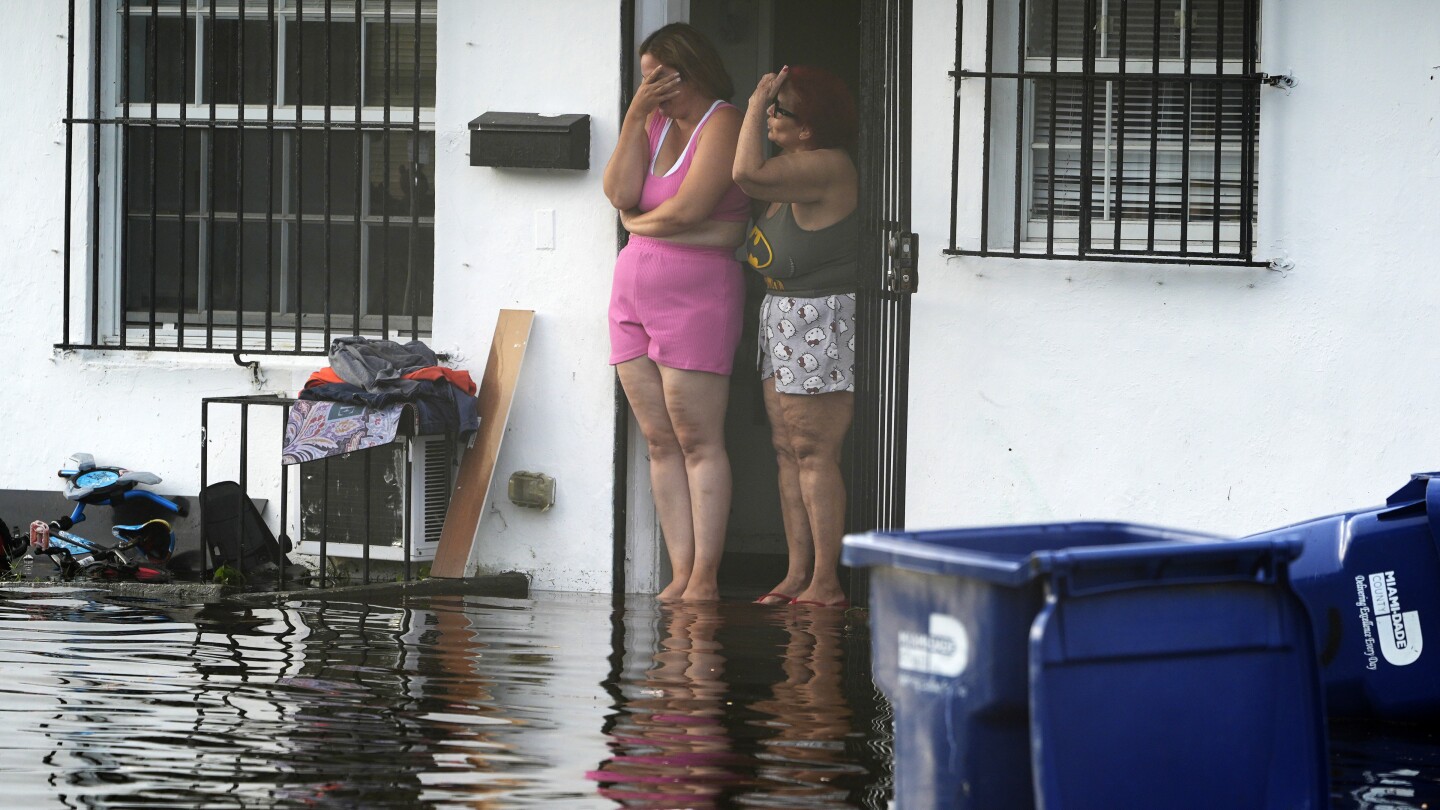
[744, 705]
[672, 748]
[1385, 766]
[806, 761]
[562, 701]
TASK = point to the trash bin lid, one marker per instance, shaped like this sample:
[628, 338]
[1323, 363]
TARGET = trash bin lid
[1006, 555]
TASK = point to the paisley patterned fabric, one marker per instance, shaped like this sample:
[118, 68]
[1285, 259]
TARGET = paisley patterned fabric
[316, 429]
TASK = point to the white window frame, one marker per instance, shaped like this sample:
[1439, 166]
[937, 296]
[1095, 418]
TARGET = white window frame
[281, 336]
[1036, 238]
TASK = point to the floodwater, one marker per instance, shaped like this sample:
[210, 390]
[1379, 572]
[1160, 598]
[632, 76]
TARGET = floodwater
[559, 701]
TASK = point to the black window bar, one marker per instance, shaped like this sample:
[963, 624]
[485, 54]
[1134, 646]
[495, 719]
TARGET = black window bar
[260, 174]
[1112, 130]
[883, 312]
[359, 518]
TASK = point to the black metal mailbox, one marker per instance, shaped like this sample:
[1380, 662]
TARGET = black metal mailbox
[530, 141]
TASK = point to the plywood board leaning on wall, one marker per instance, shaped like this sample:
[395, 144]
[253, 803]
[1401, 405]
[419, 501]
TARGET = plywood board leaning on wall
[477, 469]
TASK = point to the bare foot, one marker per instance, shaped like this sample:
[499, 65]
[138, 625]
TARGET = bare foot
[674, 592]
[701, 593]
[831, 596]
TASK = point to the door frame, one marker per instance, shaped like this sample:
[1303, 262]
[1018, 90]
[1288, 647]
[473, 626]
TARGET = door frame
[889, 275]
[877, 486]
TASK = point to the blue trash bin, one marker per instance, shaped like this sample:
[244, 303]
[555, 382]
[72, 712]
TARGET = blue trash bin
[1164, 669]
[1371, 580]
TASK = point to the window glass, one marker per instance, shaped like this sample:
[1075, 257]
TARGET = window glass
[236, 254]
[402, 167]
[326, 173]
[240, 65]
[238, 62]
[237, 169]
[320, 63]
[167, 274]
[157, 63]
[1145, 26]
[340, 225]
[1137, 110]
[1084, 154]
[407, 287]
[330, 246]
[398, 62]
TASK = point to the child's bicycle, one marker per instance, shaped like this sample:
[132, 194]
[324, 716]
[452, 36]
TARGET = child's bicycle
[143, 548]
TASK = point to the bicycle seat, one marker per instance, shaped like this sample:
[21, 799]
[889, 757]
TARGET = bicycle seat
[154, 538]
[90, 484]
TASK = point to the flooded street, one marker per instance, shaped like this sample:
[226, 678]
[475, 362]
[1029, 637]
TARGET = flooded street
[559, 701]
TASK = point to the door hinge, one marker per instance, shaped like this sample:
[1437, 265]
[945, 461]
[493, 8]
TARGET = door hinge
[903, 277]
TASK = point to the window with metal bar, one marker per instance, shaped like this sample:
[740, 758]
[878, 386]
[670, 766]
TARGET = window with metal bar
[263, 174]
[1111, 130]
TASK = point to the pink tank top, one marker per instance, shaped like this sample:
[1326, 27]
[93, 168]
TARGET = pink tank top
[733, 207]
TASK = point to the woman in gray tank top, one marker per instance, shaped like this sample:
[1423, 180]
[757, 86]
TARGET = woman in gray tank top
[805, 244]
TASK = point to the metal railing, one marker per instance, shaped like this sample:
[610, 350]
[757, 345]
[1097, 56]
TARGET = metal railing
[1113, 130]
[258, 174]
[409, 568]
[882, 319]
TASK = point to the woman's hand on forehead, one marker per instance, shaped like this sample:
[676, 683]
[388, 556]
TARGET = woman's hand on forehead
[658, 86]
[659, 73]
[767, 90]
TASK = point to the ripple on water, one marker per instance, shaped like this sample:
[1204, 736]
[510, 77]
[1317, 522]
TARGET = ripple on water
[560, 701]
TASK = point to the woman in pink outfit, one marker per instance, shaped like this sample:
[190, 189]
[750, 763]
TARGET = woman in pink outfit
[675, 306]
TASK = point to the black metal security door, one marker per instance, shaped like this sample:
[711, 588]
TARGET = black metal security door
[888, 274]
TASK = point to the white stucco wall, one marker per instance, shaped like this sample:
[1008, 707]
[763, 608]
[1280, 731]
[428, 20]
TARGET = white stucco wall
[136, 410]
[1218, 399]
[551, 58]
[142, 410]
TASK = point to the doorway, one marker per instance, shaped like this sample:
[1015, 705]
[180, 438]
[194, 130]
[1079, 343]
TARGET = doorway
[754, 37]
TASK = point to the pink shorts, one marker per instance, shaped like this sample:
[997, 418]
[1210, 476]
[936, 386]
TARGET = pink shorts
[679, 305]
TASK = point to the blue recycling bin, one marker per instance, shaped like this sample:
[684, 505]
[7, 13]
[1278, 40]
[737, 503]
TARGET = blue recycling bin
[1371, 580]
[1094, 665]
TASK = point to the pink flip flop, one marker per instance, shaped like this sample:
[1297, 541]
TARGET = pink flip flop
[776, 595]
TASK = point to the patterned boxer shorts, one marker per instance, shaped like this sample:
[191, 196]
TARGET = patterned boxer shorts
[808, 344]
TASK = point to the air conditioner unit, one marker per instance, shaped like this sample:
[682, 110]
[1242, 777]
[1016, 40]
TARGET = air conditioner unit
[360, 500]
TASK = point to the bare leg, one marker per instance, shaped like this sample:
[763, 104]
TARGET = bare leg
[668, 478]
[696, 402]
[817, 426]
[798, 541]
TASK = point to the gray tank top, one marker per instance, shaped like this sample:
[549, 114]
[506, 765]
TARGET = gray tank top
[805, 263]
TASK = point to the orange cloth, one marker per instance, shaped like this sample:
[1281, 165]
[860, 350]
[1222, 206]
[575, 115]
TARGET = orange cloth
[458, 378]
[323, 376]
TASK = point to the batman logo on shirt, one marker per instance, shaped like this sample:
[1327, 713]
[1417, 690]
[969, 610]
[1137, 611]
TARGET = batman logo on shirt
[760, 255]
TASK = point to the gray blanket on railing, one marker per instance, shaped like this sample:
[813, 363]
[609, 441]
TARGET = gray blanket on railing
[379, 365]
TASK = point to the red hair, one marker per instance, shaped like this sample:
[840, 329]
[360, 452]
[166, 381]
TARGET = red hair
[823, 103]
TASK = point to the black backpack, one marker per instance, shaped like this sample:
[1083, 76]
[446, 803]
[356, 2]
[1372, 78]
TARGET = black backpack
[234, 532]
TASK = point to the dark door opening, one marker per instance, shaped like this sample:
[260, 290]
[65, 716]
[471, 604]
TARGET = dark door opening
[889, 255]
[865, 42]
[759, 36]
